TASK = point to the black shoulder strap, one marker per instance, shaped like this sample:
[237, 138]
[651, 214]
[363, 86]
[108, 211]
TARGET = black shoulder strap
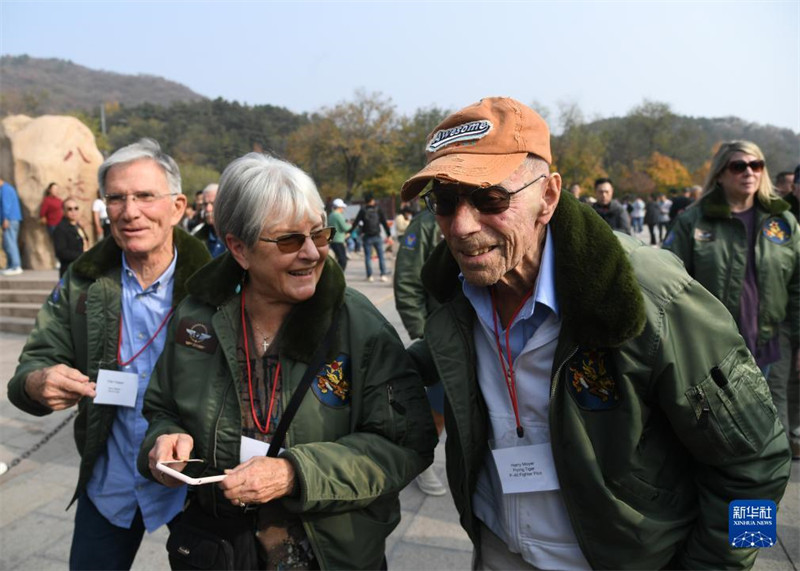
[317, 360]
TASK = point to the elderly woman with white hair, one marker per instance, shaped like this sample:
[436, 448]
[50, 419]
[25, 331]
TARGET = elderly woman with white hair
[290, 385]
[740, 241]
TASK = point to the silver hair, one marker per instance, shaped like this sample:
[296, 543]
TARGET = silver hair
[213, 187]
[536, 165]
[257, 191]
[140, 150]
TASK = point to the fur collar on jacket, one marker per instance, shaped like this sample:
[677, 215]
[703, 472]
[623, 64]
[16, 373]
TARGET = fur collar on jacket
[107, 255]
[715, 205]
[307, 323]
[599, 296]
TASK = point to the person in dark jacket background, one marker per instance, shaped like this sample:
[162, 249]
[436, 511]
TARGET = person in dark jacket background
[610, 209]
[69, 238]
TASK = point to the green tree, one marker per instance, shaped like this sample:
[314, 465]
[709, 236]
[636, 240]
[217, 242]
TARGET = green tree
[578, 151]
[353, 139]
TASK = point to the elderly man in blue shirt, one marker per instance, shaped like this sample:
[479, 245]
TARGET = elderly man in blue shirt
[96, 341]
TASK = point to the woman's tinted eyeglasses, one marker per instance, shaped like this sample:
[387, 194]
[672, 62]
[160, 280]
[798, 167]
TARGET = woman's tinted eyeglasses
[442, 199]
[291, 243]
[738, 167]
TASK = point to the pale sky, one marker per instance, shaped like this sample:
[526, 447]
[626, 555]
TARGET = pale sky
[708, 59]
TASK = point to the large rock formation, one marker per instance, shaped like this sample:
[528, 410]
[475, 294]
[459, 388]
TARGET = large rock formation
[36, 152]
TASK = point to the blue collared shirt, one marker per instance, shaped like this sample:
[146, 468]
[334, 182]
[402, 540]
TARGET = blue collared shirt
[116, 488]
[533, 313]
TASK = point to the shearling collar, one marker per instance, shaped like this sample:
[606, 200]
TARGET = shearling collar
[219, 281]
[106, 255]
[599, 296]
[715, 205]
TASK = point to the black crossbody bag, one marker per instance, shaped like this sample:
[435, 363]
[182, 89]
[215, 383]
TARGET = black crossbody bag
[200, 541]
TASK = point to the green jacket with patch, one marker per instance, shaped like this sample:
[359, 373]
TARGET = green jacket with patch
[713, 246]
[351, 457]
[683, 423]
[413, 303]
[79, 327]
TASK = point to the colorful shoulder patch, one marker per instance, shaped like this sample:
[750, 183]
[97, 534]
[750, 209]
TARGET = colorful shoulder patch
[703, 235]
[332, 383]
[55, 295]
[410, 240]
[590, 380]
[196, 335]
[776, 230]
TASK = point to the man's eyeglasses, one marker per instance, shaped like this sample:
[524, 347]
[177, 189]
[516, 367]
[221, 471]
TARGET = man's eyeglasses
[738, 167]
[442, 199]
[291, 243]
[143, 198]
[72, 208]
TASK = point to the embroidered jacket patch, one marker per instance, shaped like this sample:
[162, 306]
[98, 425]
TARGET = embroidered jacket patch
[198, 336]
[776, 230]
[332, 384]
[590, 380]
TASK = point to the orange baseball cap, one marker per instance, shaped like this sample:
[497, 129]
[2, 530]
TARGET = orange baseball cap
[482, 144]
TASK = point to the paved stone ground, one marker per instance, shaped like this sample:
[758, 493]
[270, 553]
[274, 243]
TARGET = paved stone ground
[35, 529]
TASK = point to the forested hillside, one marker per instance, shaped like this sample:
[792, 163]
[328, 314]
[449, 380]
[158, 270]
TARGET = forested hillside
[364, 144]
[38, 86]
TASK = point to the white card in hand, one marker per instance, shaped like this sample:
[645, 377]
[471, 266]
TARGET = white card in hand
[116, 387]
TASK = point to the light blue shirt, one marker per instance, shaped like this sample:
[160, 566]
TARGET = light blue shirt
[116, 488]
[533, 313]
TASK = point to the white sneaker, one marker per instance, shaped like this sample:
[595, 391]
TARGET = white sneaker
[11, 272]
[429, 483]
[383, 278]
[370, 279]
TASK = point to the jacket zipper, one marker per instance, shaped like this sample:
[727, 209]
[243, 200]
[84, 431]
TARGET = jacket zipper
[705, 410]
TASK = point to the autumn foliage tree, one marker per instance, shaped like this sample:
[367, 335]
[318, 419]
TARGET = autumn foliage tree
[667, 173]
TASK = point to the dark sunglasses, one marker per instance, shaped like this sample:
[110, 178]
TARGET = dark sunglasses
[291, 243]
[738, 167]
[442, 199]
[71, 208]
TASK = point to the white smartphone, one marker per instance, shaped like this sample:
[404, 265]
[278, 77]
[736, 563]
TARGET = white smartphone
[191, 472]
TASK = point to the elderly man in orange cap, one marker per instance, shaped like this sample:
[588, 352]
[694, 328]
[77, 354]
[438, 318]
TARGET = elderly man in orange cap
[601, 409]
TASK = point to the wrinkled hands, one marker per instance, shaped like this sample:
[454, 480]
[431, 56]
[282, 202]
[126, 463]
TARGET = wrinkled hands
[168, 448]
[258, 481]
[58, 387]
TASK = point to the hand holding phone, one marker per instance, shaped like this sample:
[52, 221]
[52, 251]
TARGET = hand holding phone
[191, 473]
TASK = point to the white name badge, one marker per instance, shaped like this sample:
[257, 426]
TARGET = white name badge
[116, 387]
[250, 448]
[526, 468]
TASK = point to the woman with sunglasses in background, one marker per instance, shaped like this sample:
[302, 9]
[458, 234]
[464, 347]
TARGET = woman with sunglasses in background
[740, 241]
[263, 323]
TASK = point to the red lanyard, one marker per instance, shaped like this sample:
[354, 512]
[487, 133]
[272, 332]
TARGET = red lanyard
[264, 430]
[508, 374]
[146, 345]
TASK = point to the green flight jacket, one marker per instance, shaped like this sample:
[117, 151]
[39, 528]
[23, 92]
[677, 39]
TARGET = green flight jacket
[413, 303]
[713, 246]
[647, 473]
[79, 326]
[352, 455]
